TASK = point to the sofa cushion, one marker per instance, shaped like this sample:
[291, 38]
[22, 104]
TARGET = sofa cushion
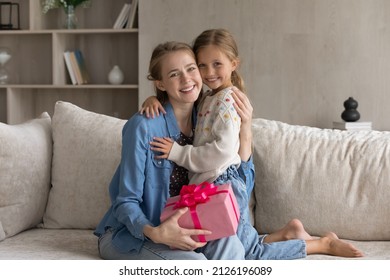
[25, 163]
[50, 244]
[86, 152]
[331, 180]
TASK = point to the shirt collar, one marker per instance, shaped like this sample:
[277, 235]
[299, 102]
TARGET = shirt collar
[170, 119]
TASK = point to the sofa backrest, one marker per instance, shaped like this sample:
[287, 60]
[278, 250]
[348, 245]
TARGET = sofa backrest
[331, 180]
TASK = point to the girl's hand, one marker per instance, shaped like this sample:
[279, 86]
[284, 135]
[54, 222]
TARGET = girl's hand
[162, 145]
[171, 234]
[152, 106]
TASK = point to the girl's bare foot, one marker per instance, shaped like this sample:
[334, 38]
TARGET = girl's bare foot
[295, 230]
[337, 247]
[292, 230]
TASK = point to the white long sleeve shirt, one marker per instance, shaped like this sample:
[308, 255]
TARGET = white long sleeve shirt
[216, 140]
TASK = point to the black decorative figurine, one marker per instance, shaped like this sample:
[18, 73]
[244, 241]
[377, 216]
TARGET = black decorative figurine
[350, 113]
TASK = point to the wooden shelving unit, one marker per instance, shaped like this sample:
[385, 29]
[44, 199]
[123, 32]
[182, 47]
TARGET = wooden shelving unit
[37, 70]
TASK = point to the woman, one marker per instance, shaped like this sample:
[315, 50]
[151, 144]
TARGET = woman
[131, 228]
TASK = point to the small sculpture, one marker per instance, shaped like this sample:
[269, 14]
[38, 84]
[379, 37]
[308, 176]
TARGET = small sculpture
[115, 76]
[350, 114]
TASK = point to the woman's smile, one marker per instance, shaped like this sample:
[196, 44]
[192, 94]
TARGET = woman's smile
[188, 89]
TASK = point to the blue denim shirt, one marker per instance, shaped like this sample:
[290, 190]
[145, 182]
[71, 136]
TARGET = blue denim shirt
[140, 186]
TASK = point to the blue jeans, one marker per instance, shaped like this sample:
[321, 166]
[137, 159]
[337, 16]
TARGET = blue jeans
[229, 248]
[254, 248]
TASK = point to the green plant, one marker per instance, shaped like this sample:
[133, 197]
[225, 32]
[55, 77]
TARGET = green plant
[53, 4]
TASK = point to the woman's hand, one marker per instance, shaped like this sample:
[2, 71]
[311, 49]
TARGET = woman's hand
[171, 234]
[162, 145]
[152, 106]
[244, 108]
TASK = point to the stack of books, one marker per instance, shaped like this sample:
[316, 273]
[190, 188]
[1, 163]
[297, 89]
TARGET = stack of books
[126, 17]
[77, 70]
[353, 126]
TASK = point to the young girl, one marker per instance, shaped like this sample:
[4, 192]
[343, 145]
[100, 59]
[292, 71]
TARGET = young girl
[213, 157]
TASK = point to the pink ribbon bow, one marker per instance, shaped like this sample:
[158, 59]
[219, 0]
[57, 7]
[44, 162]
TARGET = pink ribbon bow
[191, 195]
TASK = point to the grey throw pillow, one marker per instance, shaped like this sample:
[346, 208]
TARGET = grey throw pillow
[86, 152]
[25, 164]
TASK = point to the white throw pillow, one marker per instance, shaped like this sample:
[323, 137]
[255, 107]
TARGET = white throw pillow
[86, 152]
[25, 163]
[331, 180]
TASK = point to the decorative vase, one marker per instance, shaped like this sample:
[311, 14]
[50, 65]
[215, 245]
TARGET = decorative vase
[70, 17]
[5, 56]
[115, 76]
[350, 114]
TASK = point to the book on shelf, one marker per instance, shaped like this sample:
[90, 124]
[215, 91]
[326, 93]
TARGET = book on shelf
[69, 67]
[123, 17]
[133, 13]
[359, 125]
[75, 64]
[75, 67]
[82, 67]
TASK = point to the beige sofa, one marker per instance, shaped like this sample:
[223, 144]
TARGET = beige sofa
[54, 175]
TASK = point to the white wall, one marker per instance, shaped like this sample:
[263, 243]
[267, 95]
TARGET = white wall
[300, 58]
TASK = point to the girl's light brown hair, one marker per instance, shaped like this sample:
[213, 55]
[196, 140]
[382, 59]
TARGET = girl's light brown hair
[224, 40]
[155, 65]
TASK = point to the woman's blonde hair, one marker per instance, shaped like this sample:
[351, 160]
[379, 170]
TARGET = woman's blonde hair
[155, 66]
[224, 40]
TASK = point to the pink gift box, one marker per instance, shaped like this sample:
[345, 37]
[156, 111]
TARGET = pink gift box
[211, 207]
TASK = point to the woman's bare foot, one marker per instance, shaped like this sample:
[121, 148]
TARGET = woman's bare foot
[330, 244]
[292, 230]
